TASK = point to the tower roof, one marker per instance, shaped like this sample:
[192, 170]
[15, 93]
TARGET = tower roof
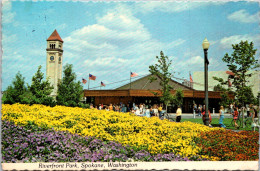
[55, 36]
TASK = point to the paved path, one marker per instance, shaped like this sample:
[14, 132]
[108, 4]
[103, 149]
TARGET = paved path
[190, 115]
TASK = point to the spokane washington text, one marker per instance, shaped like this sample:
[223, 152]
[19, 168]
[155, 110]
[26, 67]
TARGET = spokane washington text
[85, 165]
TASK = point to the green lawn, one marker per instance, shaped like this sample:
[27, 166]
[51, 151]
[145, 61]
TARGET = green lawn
[215, 123]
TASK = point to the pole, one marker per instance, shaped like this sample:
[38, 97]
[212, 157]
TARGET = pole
[193, 102]
[243, 124]
[190, 81]
[130, 80]
[243, 102]
[258, 113]
[206, 86]
[88, 81]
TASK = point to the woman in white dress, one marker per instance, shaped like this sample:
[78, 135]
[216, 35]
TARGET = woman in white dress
[155, 111]
[147, 112]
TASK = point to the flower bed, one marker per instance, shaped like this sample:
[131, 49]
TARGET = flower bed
[22, 145]
[138, 138]
[230, 145]
[150, 134]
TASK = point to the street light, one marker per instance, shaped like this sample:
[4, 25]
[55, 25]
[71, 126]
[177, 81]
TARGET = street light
[205, 45]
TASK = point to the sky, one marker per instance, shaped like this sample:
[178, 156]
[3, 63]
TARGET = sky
[110, 39]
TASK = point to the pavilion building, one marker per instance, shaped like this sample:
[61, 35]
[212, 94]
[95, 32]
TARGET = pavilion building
[149, 93]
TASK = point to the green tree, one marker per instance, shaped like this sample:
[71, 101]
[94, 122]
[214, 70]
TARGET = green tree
[69, 90]
[14, 93]
[225, 100]
[161, 70]
[219, 88]
[41, 89]
[178, 97]
[240, 62]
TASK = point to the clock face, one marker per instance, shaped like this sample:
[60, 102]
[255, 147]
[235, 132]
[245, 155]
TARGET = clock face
[52, 58]
[59, 59]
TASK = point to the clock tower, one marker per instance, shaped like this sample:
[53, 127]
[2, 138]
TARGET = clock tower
[54, 60]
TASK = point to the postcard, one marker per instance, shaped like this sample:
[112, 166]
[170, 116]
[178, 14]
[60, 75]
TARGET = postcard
[130, 85]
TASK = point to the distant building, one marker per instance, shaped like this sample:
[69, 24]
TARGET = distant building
[198, 78]
[149, 93]
[187, 83]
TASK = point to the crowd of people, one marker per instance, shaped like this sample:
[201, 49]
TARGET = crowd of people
[157, 111]
[233, 109]
[250, 109]
[138, 109]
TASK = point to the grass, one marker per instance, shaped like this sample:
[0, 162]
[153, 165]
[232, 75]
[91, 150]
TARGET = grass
[215, 123]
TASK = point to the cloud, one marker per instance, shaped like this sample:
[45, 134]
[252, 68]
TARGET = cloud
[227, 42]
[7, 15]
[195, 62]
[175, 43]
[62, 26]
[7, 38]
[244, 17]
[171, 7]
[105, 62]
[115, 45]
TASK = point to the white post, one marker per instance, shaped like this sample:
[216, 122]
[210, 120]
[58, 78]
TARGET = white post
[213, 111]
[243, 117]
[258, 117]
[194, 114]
[166, 112]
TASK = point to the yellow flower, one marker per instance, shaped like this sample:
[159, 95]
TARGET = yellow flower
[158, 136]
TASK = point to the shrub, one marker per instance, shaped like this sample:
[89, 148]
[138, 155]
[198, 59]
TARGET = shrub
[229, 145]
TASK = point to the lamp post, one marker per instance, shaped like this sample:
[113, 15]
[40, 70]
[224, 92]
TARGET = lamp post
[205, 46]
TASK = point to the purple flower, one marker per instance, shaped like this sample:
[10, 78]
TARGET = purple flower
[57, 146]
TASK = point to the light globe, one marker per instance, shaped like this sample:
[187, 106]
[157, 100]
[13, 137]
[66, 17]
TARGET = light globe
[205, 44]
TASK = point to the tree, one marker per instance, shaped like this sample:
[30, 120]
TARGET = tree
[69, 91]
[225, 100]
[14, 93]
[41, 89]
[240, 62]
[219, 88]
[161, 70]
[178, 98]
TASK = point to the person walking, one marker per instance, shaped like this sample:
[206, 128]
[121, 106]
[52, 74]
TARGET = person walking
[235, 117]
[195, 108]
[199, 110]
[160, 111]
[178, 114]
[248, 111]
[155, 110]
[204, 116]
[151, 111]
[110, 108]
[254, 114]
[221, 117]
[147, 112]
[128, 109]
